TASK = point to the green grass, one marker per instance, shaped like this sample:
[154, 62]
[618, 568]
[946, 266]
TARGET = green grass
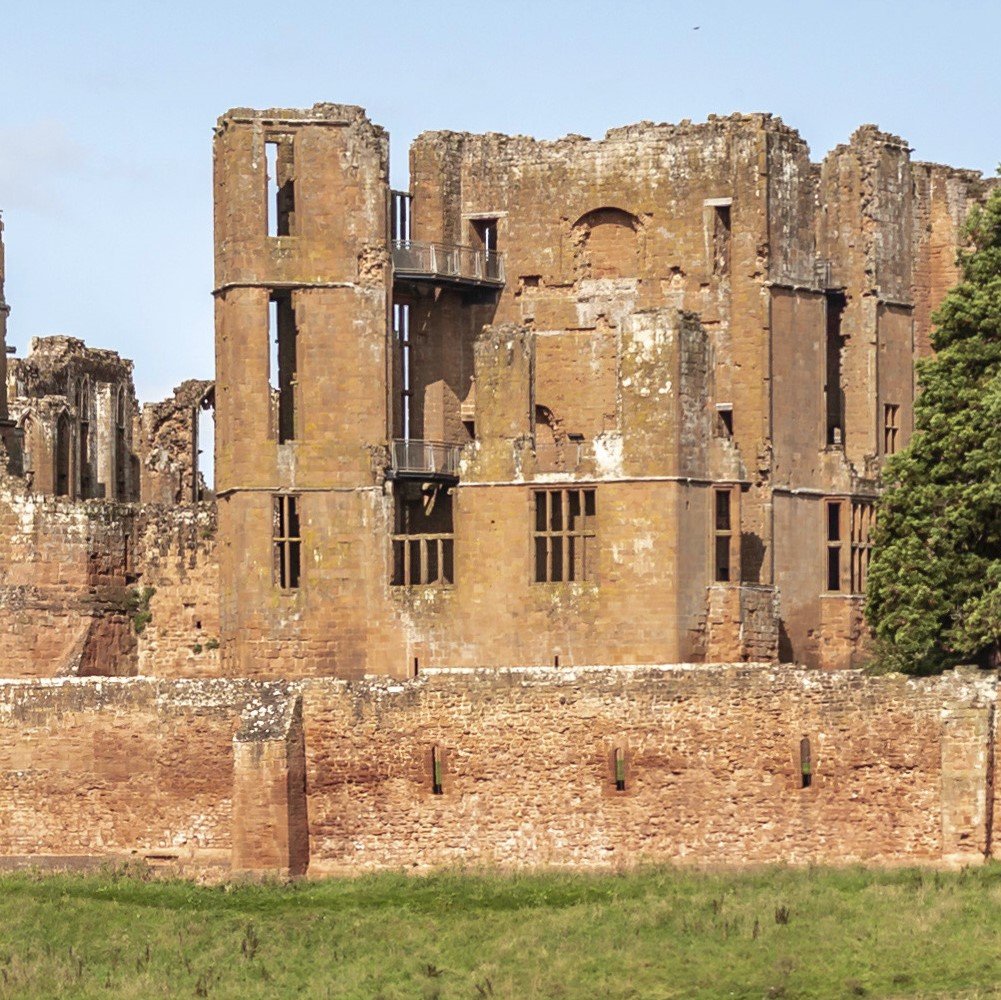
[653, 933]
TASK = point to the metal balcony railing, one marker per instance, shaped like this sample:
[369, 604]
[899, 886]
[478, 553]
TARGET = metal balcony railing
[447, 262]
[425, 458]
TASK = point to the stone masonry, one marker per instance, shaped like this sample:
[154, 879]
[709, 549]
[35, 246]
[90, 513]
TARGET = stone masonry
[543, 488]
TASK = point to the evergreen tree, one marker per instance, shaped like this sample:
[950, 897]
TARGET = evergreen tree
[934, 590]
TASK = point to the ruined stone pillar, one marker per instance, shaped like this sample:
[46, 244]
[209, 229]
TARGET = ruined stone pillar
[270, 827]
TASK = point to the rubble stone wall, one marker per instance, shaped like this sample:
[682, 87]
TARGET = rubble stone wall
[900, 770]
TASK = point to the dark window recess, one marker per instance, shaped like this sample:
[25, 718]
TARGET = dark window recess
[805, 763]
[287, 541]
[834, 389]
[724, 417]
[279, 157]
[437, 772]
[121, 447]
[484, 237]
[283, 335]
[83, 414]
[423, 539]
[722, 536]
[834, 544]
[721, 240]
[891, 427]
[619, 765]
[63, 435]
[566, 536]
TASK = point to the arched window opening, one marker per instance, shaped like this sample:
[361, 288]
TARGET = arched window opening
[64, 437]
[606, 244]
[203, 449]
[82, 403]
[121, 445]
[27, 449]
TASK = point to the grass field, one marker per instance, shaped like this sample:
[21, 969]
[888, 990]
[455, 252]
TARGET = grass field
[653, 933]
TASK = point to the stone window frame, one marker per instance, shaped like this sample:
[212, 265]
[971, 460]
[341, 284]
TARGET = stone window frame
[573, 538]
[286, 544]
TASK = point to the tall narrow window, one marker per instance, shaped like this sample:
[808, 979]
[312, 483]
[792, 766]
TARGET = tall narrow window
[399, 216]
[805, 764]
[891, 427]
[121, 446]
[863, 518]
[287, 543]
[437, 772]
[619, 768]
[401, 331]
[63, 438]
[721, 240]
[83, 429]
[833, 512]
[280, 186]
[484, 233]
[834, 391]
[566, 536]
[283, 336]
[423, 539]
[722, 535]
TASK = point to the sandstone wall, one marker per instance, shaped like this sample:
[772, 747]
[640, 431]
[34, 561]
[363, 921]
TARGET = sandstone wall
[339, 775]
[105, 588]
[118, 767]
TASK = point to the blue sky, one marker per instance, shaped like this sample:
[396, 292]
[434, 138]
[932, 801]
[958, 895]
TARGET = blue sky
[107, 108]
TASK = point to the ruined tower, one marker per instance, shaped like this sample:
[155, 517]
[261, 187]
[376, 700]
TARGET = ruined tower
[302, 307]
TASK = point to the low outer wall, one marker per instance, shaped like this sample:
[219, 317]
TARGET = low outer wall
[337, 775]
[118, 766]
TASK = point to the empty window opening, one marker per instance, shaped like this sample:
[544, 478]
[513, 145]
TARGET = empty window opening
[566, 536]
[287, 542]
[805, 764]
[437, 771]
[721, 240]
[484, 238]
[834, 389]
[203, 448]
[83, 430]
[891, 427]
[833, 510]
[401, 334]
[724, 420]
[863, 519]
[423, 536]
[399, 216]
[417, 666]
[722, 535]
[63, 438]
[27, 448]
[121, 446]
[556, 660]
[283, 334]
[619, 765]
[281, 186]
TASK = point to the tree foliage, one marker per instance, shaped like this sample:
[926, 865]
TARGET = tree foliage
[934, 590]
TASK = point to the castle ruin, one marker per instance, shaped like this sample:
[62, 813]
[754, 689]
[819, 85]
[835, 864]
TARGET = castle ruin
[542, 511]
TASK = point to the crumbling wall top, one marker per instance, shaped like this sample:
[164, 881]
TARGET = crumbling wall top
[321, 113]
[644, 131]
